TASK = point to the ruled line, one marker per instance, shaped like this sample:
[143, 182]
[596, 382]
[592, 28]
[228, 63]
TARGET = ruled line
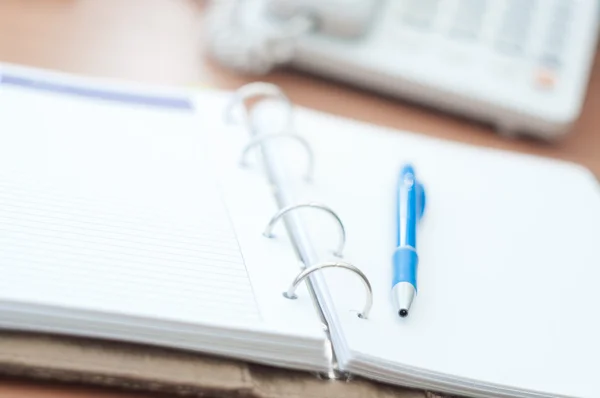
[67, 251]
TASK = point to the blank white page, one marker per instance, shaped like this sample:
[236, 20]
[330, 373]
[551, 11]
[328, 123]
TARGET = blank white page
[112, 204]
[509, 259]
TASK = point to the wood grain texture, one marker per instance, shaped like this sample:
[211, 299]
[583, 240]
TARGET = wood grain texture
[15, 388]
[161, 41]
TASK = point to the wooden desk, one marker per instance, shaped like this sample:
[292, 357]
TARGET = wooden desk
[160, 41]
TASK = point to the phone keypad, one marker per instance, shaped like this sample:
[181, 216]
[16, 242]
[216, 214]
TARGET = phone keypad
[509, 28]
[513, 31]
[468, 19]
[420, 14]
[557, 33]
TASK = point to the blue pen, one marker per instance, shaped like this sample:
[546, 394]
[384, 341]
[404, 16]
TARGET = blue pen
[410, 205]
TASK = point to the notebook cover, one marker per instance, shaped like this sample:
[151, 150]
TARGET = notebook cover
[144, 368]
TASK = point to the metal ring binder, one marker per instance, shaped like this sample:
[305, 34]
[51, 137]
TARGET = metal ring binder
[299, 235]
[261, 139]
[256, 89]
[269, 228]
[290, 293]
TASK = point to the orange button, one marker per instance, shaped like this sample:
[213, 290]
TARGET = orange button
[545, 78]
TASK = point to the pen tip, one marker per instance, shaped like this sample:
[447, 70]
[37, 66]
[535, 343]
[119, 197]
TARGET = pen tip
[403, 313]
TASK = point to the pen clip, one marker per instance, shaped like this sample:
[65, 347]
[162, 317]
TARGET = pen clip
[421, 199]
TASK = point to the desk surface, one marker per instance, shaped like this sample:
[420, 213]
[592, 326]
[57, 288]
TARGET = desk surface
[160, 41]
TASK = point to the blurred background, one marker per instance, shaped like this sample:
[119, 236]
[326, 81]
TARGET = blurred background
[463, 70]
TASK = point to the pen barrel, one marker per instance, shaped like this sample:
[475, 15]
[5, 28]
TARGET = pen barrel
[409, 198]
[405, 265]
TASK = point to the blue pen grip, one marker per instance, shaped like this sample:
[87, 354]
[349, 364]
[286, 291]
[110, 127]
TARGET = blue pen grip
[405, 263]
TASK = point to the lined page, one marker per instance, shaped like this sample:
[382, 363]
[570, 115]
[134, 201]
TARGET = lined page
[70, 250]
[101, 209]
[497, 311]
[124, 214]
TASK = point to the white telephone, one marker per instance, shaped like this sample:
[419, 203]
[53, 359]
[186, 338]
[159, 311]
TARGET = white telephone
[522, 65]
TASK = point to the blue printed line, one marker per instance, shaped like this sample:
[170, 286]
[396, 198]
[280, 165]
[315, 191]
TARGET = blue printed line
[180, 103]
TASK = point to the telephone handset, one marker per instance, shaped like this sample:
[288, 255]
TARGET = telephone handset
[255, 36]
[521, 65]
[337, 18]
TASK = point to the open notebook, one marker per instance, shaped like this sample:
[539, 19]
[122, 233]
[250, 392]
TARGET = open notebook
[125, 214]
[114, 224]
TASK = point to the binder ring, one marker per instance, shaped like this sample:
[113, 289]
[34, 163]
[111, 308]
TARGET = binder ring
[256, 141]
[268, 232]
[291, 292]
[256, 89]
